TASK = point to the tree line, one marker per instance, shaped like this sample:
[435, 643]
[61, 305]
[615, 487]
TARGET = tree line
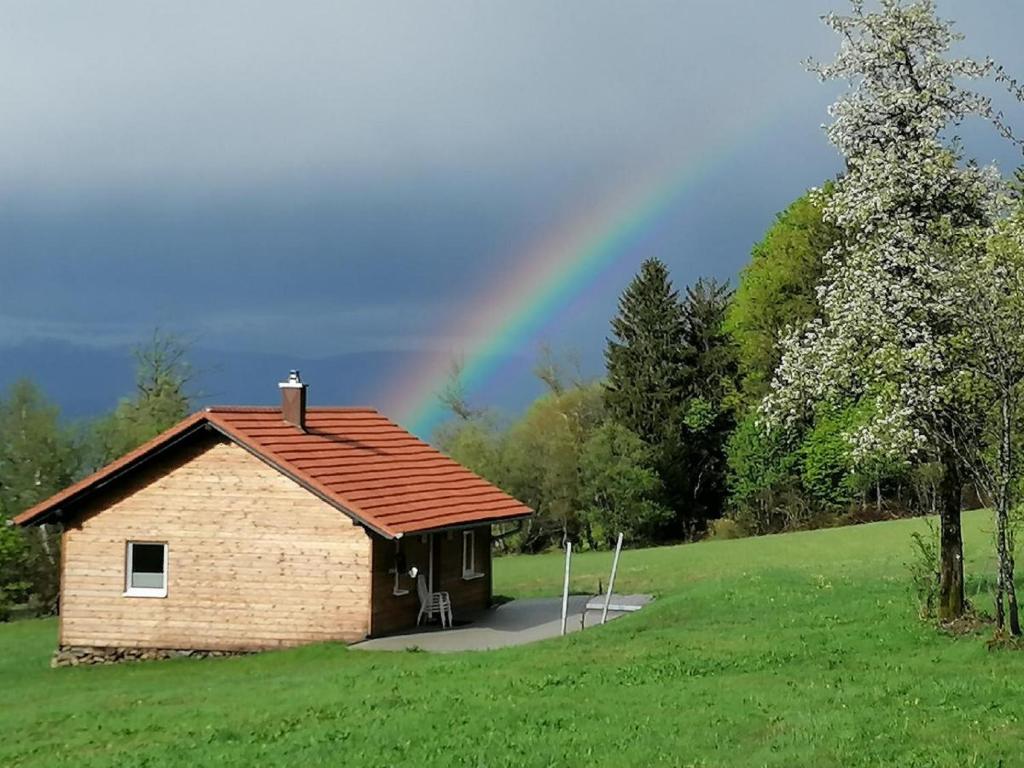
[594, 458]
[869, 363]
[670, 443]
[40, 455]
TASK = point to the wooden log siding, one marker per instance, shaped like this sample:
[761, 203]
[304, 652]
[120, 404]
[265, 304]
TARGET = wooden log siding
[396, 612]
[255, 561]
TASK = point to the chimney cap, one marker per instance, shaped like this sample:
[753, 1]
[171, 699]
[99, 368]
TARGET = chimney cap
[294, 381]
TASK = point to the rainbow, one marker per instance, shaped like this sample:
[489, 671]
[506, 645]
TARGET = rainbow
[552, 274]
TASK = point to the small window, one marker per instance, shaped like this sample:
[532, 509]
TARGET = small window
[469, 570]
[146, 572]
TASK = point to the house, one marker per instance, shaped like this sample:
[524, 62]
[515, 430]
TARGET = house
[246, 528]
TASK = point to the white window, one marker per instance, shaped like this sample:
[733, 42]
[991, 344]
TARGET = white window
[146, 569]
[469, 569]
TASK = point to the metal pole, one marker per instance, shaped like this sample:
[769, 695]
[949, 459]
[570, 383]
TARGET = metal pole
[565, 586]
[611, 581]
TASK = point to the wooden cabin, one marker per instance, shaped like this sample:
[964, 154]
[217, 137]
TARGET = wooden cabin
[247, 528]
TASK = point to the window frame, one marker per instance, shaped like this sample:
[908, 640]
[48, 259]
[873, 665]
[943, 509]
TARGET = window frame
[469, 548]
[129, 590]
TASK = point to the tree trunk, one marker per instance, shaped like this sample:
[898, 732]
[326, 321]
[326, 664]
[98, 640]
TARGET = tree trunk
[1012, 599]
[1005, 577]
[1004, 580]
[951, 546]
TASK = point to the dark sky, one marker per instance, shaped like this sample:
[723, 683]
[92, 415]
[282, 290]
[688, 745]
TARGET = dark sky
[284, 182]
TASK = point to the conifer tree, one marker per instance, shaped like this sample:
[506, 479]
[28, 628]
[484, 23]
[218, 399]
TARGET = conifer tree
[710, 390]
[647, 361]
[647, 356]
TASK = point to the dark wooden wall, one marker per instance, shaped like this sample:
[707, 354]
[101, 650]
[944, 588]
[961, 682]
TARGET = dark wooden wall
[391, 613]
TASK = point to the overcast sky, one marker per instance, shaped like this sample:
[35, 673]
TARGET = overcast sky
[328, 177]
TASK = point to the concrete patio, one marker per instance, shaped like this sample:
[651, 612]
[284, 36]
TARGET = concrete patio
[514, 623]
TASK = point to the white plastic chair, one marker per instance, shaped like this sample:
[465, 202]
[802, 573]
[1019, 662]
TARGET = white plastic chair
[433, 601]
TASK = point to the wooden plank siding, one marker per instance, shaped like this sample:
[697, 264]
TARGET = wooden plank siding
[255, 561]
[395, 612]
[392, 612]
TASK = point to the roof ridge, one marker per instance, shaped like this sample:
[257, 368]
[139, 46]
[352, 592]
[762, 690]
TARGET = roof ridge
[277, 409]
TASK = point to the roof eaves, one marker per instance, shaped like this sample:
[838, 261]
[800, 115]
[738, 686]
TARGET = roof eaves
[467, 524]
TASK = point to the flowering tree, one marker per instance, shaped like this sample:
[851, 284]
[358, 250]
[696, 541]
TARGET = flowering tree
[994, 347]
[910, 217]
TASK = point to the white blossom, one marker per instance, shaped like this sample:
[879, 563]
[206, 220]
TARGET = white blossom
[911, 216]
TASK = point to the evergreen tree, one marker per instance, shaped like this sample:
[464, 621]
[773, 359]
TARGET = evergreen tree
[647, 360]
[708, 411]
[711, 373]
[647, 357]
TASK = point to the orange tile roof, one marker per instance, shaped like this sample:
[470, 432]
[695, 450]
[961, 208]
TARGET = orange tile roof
[354, 458]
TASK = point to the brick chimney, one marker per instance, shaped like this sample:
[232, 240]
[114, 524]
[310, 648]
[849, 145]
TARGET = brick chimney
[293, 400]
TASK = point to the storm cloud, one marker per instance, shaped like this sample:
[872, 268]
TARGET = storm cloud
[319, 178]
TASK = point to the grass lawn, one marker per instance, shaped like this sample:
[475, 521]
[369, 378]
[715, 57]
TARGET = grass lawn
[796, 650]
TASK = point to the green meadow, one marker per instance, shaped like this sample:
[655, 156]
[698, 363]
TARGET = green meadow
[795, 650]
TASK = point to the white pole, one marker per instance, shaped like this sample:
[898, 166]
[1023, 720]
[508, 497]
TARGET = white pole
[611, 581]
[565, 586]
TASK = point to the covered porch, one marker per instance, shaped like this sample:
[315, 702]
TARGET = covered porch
[456, 561]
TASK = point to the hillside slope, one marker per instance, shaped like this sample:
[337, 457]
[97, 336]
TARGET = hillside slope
[790, 650]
